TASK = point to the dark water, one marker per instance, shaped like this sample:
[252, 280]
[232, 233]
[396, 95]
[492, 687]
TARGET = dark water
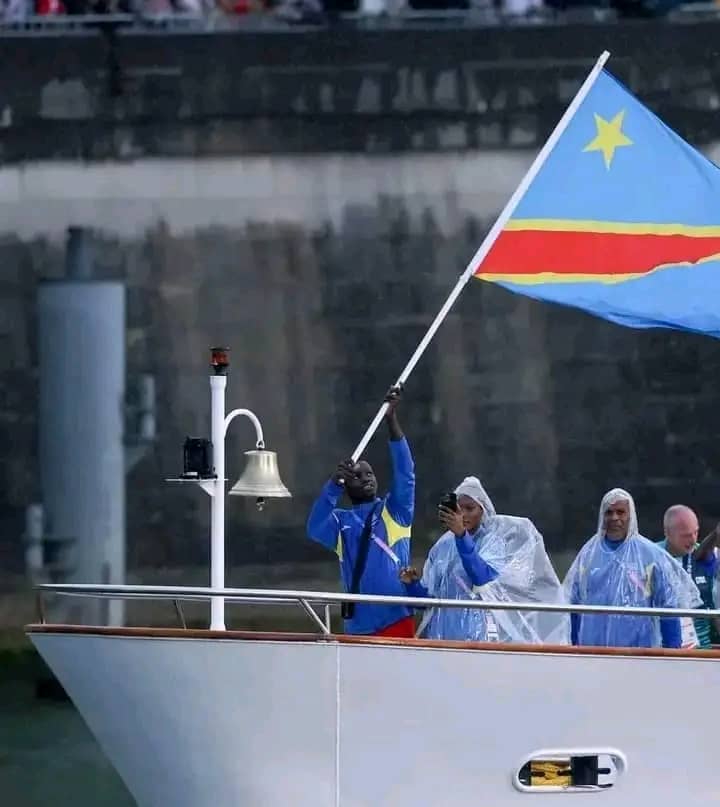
[48, 758]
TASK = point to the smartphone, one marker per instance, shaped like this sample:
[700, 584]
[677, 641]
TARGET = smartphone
[449, 500]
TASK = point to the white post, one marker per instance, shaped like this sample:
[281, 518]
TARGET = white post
[218, 384]
[489, 240]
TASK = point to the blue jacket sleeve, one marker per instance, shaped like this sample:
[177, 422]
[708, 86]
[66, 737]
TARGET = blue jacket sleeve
[416, 589]
[575, 618]
[670, 631]
[475, 567]
[665, 596]
[708, 566]
[323, 525]
[574, 628]
[401, 499]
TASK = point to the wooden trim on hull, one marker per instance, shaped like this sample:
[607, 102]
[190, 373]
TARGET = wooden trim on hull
[437, 644]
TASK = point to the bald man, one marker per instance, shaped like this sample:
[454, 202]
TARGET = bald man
[700, 561]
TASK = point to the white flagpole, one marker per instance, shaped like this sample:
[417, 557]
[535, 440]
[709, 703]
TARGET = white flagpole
[489, 240]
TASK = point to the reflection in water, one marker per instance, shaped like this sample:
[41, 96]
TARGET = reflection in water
[48, 756]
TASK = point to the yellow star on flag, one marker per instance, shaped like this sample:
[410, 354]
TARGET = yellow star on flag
[609, 137]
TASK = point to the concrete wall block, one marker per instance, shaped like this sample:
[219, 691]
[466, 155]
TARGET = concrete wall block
[549, 406]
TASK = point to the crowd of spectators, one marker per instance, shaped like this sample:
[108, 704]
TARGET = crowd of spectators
[22, 10]
[19, 11]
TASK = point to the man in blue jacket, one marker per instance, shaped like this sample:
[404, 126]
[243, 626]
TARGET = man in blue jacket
[372, 538]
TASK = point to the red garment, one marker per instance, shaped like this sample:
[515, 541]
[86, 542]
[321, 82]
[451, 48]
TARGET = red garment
[45, 8]
[403, 629]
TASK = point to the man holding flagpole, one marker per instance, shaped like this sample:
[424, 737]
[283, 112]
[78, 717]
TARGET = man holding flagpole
[372, 538]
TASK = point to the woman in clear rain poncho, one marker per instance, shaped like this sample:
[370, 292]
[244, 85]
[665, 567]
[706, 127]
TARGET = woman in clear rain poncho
[618, 566]
[491, 557]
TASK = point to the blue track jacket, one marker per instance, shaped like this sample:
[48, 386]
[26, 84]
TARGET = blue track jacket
[340, 530]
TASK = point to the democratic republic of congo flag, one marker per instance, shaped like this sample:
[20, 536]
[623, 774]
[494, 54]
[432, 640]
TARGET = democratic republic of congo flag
[622, 220]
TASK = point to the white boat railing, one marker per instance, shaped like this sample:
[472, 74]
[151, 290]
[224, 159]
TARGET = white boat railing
[306, 600]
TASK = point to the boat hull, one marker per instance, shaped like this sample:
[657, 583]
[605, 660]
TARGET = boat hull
[204, 721]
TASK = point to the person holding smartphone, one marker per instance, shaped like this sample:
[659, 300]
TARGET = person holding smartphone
[372, 538]
[483, 555]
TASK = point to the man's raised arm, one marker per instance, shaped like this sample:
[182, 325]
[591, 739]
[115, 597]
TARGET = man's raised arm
[401, 499]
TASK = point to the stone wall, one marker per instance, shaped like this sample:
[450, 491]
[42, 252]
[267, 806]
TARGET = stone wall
[118, 94]
[322, 304]
[310, 199]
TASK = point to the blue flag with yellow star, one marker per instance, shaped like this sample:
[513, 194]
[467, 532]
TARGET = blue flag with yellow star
[622, 220]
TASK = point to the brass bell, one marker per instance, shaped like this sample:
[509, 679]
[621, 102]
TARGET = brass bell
[261, 477]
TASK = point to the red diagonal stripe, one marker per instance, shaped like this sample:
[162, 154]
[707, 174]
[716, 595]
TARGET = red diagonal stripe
[533, 251]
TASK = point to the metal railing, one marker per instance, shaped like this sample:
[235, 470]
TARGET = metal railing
[306, 600]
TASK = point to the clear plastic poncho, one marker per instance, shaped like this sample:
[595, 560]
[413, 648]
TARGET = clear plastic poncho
[634, 572]
[515, 549]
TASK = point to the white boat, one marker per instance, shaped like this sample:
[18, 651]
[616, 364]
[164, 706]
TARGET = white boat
[216, 718]
[203, 718]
